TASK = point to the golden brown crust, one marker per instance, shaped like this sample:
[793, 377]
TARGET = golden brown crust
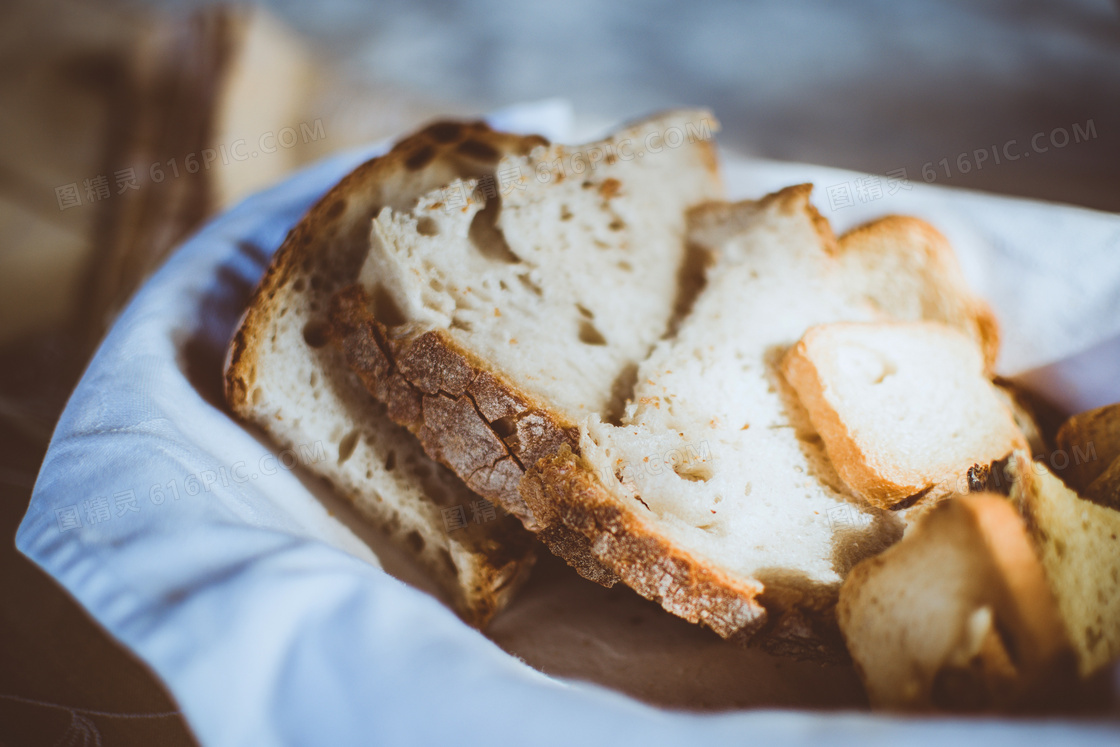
[864, 472]
[324, 252]
[844, 451]
[561, 490]
[956, 306]
[465, 415]
[460, 149]
[1024, 661]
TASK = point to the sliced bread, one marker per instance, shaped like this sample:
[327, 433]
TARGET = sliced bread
[1079, 543]
[283, 377]
[492, 328]
[903, 409]
[958, 615]
[715, 496]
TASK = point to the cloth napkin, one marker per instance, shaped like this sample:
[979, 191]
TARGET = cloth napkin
[197, 544]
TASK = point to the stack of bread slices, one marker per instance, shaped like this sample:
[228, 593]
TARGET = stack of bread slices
[721, 405]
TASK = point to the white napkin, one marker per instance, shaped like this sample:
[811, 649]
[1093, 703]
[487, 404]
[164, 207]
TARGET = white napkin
[198, 547]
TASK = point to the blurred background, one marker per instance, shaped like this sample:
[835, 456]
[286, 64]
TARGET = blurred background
[125, 125]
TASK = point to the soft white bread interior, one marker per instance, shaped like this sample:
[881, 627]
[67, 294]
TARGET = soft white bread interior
[1079, 543]
[903, 409]
[283, 377]
[714, 495]
[561, 280]
[491, 327]
[958, 615]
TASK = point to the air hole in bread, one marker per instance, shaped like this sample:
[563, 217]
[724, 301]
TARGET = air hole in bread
[390, 461]
[315, 333]
[299, 285]
[313, 379]
[487, 238]
[616, 225]
[461, 324]
[690, 282]
[584, 311]
[694, 471]
[346, 447]
[528, 283]
[867, 364]
[414, 541]
[256, 396]
[625, 266]
[425, 226]
[590, 335]
[621, 391]
[565, 213]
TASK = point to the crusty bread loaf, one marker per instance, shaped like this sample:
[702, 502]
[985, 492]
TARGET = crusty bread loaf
[1079, 543]
[282, 376]
[903, 409]
[958, 615]
[491, 328]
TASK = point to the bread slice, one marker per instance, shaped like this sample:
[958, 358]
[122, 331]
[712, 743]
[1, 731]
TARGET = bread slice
[491, 328]
[958, 615]
[903, 409]
[1079, 543]
[1091, 442]
[714, 496]
[282, 376]
[1032, 414]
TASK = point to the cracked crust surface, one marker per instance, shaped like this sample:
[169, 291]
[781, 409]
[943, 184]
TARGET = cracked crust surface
[282, 334]
[466, 416]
